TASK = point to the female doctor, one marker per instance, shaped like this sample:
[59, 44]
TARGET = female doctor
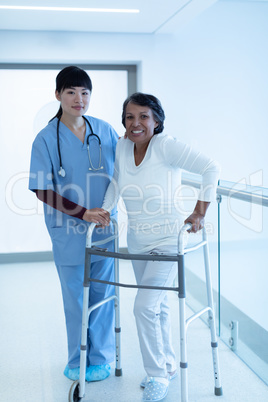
[71, 165]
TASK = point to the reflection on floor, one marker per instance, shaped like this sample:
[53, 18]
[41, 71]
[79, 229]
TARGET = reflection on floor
[33, 347]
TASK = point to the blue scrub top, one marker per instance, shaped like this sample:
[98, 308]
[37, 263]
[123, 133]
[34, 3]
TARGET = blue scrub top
[83, 186]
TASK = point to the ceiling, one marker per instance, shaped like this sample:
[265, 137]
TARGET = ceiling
[155, 16]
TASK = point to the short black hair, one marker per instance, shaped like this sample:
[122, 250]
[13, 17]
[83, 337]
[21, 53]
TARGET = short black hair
[150, 101]
[73, 76]
[69, 77]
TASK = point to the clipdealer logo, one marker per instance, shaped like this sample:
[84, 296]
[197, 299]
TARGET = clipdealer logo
[247, 214]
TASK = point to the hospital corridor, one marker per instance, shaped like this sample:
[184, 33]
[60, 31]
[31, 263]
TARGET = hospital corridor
[142, 116]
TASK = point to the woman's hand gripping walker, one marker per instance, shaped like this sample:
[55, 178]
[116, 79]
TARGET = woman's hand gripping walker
[77, 391]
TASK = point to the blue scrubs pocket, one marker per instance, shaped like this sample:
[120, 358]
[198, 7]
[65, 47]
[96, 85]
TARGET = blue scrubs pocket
[69, 242]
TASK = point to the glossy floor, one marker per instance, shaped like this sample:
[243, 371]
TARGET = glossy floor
[33, 347]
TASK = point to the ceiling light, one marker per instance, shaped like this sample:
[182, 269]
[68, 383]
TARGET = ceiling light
[91, 10]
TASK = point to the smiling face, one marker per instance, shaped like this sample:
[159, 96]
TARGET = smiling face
[139, 123]
[74, 101]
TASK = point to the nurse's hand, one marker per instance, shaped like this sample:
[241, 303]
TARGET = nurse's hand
[97, 215]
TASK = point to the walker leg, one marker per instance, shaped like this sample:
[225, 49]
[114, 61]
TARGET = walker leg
[183, 353]
[183, 349]
[118, 369]
[212, 326]
[83, 348]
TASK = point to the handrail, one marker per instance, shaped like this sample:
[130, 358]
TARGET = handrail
[242, 195]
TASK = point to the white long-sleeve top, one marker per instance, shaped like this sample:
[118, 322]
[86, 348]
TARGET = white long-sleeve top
[151, 191]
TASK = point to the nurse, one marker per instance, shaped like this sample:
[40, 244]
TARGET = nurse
[70, 172]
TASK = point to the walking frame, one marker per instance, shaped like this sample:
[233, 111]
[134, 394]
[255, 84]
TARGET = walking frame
[77, 390]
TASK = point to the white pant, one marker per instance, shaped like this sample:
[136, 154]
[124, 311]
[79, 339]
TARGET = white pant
[151, 311]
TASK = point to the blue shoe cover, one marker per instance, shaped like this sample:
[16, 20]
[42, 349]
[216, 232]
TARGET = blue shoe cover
[98, 373]
[72, 374]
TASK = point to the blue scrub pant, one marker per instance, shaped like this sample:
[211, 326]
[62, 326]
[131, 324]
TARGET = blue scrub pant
[101, 338]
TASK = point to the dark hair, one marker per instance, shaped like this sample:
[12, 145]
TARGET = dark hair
[150, 101]
[71, 76]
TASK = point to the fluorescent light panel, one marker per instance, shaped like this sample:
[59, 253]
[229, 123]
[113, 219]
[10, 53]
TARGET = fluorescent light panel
[90, 10]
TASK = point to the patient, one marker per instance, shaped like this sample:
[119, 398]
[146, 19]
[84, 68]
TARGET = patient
[148, 177]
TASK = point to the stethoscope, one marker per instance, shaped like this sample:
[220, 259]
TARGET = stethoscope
[62, 172]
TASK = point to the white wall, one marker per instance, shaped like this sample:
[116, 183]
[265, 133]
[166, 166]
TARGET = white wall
[222, 87]
[211, 77]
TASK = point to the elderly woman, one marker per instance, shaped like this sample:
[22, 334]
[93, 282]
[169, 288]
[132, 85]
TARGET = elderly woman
[147, 172]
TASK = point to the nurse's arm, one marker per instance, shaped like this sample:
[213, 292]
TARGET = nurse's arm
[62, 204]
